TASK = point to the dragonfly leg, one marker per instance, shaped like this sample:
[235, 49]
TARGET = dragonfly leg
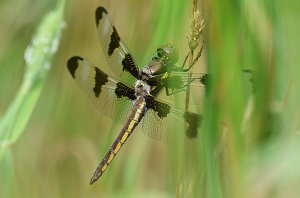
[184, 62]
[194, 61]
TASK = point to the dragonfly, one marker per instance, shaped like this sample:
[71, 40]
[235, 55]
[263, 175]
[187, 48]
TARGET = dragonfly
[143, 94]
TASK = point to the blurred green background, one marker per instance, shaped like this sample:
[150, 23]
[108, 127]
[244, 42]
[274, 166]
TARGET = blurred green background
[249, 142]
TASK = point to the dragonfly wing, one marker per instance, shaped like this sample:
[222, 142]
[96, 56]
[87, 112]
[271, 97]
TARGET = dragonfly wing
[118, 55]
[176, 84]
[113, 98]
[162, 117]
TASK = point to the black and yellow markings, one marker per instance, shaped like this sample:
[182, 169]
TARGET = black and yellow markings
[132, 122]
[116, 147]
[112, 152]
[124, 138]
[104, 167]
[110, 158]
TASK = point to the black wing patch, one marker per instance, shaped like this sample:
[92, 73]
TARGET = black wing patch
[100, 80]
[193, 122]
[99, 12]
[73, 64]
[104, 90]
[114, 42]
[124, 91]
[129, 65]
[162, 109]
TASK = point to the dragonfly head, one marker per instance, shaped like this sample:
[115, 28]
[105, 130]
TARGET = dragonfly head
[168, 54]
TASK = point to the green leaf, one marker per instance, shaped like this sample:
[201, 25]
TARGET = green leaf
[38, 57]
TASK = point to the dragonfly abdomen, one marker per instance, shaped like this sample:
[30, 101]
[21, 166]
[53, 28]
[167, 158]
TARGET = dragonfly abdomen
[133, 120]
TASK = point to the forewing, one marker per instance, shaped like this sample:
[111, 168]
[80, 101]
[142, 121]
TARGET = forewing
[119, 57]
[111, 97]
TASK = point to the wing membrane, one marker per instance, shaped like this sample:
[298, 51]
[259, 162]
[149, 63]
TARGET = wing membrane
[174, 86]
[111, 97]
[162, 117]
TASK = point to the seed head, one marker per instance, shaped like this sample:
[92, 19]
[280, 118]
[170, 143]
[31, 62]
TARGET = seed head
[195, 31]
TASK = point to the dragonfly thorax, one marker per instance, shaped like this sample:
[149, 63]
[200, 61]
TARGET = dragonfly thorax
[153, 68]
[167, 56]
[142, 88]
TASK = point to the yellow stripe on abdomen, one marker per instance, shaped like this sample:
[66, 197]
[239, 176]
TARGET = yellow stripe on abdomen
[135, 117]
[125, 136]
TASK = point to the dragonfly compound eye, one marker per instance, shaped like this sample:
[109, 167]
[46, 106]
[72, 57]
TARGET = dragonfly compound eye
[168, 53]
[160, 52]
